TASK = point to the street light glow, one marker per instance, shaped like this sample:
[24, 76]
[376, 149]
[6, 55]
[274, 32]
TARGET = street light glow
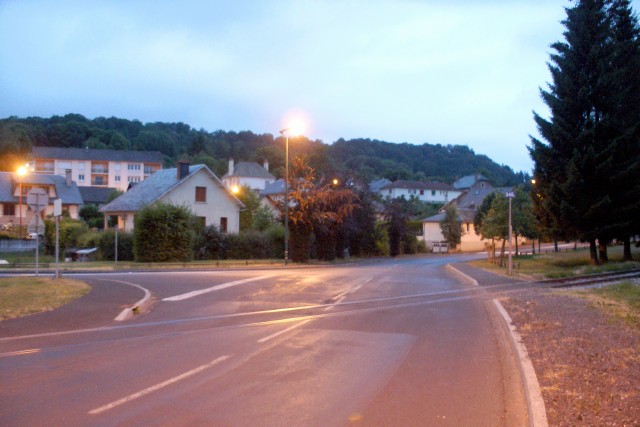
[235, 189]
[22, 171]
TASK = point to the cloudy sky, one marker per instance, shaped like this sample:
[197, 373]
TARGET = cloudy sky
[448, 72]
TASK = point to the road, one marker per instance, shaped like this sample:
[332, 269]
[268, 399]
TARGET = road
[389, 343]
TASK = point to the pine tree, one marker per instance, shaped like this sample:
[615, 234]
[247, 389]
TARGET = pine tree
[572, 170]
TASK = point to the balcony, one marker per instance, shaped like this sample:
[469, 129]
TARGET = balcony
[100, 170]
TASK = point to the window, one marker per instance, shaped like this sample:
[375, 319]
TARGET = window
[422, 192]
[9, 209]
[81, 177]
[223, 224]
[433, 192]
[201, 194]
[64, 165]
[133, 179]
[116, 167]
[117, 178]
[134, 167]
[81, 166]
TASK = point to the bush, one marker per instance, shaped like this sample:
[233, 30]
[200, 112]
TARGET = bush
[249, 244]
[275, 234]
[70, 232]
[409, 244]
[107, 246]
[210, 243]
[162, 233]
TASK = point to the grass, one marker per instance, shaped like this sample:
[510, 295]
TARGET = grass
[564, 264]
[22, 296]
[621, 301]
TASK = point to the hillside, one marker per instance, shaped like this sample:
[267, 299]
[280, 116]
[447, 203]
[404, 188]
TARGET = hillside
[360, 159]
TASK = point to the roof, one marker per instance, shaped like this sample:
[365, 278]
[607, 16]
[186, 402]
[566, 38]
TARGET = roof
[69, 194]
[418, 185]
[249, 170]
[375, 186]
[156, 186]
[468, 180]
[97, 154]
[274, 188]
[464, 215]
[96, 195]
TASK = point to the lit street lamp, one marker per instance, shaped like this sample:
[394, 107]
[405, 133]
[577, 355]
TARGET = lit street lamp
[510, 195]
[22, 171]
[293, 130]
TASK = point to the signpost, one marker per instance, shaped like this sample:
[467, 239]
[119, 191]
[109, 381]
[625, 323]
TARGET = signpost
[57, 212]
[37, 199]
[510, 195]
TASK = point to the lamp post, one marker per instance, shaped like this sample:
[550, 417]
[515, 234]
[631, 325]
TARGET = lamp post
[21, 172]
[285, 132]
[510, 195]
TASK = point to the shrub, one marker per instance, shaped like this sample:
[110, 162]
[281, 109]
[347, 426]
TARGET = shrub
[211, 243]
[107, 246]
[162, 233]
[249, 244]
[275, 234]
[70, 232]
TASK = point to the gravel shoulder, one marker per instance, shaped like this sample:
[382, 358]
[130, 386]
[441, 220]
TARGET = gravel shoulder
[587, 362]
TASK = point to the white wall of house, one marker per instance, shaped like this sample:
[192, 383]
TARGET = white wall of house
[469, 242]
[425, 195]
[251, 182]
[218, 204]
[117, 174]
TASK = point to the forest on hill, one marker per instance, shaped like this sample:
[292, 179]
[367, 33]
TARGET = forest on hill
[360, 160]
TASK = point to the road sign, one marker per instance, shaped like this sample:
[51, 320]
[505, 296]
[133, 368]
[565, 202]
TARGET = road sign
[35, 226]
[57, 207]
[37, 199]
[510, 194]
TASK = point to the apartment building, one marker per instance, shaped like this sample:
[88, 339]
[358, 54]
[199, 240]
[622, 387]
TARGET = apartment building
[95, 167]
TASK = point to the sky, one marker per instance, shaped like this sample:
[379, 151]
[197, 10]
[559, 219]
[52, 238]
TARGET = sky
[453, 72]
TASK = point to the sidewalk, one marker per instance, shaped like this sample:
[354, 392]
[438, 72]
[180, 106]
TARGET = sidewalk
[484, 277]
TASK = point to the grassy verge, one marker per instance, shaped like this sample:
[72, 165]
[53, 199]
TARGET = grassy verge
[22, 296]
[564, 264]
[621, 301]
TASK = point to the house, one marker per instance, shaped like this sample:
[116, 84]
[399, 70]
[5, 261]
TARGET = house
[98, 168]
[248, 174]
[96, 195]
[467, 205]
[434, 192]
[56, 187]
[467, 181]
[271, 195]
[193, 186]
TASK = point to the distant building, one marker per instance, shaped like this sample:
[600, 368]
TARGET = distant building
[196, 187]
[467, 205]
[436, 192]
[57, 187]
[97, 168]
[96, 195]
[467, 181]
[248, 174]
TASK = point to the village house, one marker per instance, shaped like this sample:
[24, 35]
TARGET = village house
[98, 168]
[432, 192]
[249, 174]
[196, 187]
[56, 187]
[466, 205]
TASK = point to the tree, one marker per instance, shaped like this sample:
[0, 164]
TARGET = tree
[162, 233]
[495, 223]
[395, 214]
[451, 227]
[251, 201]
[92, 216]
[572, 169]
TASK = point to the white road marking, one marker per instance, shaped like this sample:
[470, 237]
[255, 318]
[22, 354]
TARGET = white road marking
[21, 352]
[214, 288]
[157, 386]
[265, 339]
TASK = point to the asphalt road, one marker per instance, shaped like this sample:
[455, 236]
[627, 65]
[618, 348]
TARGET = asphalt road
[389, 343]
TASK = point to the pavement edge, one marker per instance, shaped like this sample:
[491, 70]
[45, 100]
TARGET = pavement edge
[535, 402]
[130, 312]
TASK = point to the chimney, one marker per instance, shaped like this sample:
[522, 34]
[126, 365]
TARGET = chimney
[230, 165]
[67, 175]
[265, 165]
[183, 169]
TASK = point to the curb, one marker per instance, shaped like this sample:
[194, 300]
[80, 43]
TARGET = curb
[460, 276]
[138, 307]
[535, 402]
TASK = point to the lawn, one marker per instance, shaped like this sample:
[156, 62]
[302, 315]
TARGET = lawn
[564, 264]
[21, 296]
[622, 301]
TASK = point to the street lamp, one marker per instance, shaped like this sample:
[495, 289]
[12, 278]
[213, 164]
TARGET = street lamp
[510, 195]
[22, 171]
[294, 129]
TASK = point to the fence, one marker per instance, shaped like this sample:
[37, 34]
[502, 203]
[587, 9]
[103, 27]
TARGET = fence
[17, 245]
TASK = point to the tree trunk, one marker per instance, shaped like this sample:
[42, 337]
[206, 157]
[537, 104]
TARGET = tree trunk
[533, 246]
[593, 252]
[626, 256]
[602, 249]
[502, 252]
[555, 245]
[300, 238]
[516, 244]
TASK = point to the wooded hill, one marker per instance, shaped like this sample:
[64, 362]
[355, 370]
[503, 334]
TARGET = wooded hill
[358, 159]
